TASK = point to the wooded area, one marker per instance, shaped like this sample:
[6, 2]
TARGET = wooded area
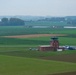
[11, 22]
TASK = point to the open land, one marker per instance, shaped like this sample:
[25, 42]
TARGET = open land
[61, 61]
[20, 60]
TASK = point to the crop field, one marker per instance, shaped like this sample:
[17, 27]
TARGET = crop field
[21, 30]
[45, 23]
[16, 58]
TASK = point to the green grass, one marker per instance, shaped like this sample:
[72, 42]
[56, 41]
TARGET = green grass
[62, 40]
[14, 41]
[35, 42]
[25, 52]
[26, 66]
[20, 61]
[17, 59]
[20, 30]
[68, 41]
[45, 23]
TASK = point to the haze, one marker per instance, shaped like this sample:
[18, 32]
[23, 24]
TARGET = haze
[38, 7]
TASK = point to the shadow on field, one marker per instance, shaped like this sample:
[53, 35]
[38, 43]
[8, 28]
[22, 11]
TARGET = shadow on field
[67, 73]
[15, 41]
[65, 58]
[42, 55]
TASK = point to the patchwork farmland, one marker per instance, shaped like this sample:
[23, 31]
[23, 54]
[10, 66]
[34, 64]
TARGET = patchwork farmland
[17, 59]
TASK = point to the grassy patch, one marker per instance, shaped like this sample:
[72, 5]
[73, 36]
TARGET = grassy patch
[20, 30]
[27, 66]
[63, 40]
[23, 52]
[14, 41]
[17, 59]
[31, 42]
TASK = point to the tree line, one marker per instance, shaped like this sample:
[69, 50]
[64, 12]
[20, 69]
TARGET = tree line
[11, 22]
[68, 20]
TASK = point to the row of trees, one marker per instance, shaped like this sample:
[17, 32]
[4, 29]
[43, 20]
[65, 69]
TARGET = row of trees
[54, 19]
[70, 20]
[11, 22]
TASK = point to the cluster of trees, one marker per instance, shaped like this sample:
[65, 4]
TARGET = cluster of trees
[11, 22]
[68, 20]
[71, 21]
[54, 19]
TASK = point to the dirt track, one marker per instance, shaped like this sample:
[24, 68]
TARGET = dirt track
[34, 35]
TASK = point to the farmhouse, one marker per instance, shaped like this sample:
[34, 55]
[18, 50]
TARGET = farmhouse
[54, 46]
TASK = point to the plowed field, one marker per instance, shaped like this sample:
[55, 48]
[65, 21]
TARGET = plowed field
[34, 35]
[64, 58]
[67, 73]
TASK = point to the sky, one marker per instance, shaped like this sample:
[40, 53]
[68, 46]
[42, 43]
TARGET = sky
[38, 7]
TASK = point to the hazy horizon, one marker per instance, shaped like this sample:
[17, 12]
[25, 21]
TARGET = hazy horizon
[38, 7]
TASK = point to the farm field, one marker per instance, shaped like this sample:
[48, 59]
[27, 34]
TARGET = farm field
[44, 23]
[36, 63]
[21, 30]
[27, 66]
[17, 59]
[34, 41]
[67, 73]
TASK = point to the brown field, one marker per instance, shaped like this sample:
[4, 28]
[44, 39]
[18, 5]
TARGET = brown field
[34, 35]
[64, 58]
[67, 73]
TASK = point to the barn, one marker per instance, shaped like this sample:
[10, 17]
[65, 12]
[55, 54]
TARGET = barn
[54, 45]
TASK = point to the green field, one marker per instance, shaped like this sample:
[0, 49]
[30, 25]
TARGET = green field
[28, 63]
[17, 59]
[21, 30]
[45, 23]
[32, 42]
[26, 66]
